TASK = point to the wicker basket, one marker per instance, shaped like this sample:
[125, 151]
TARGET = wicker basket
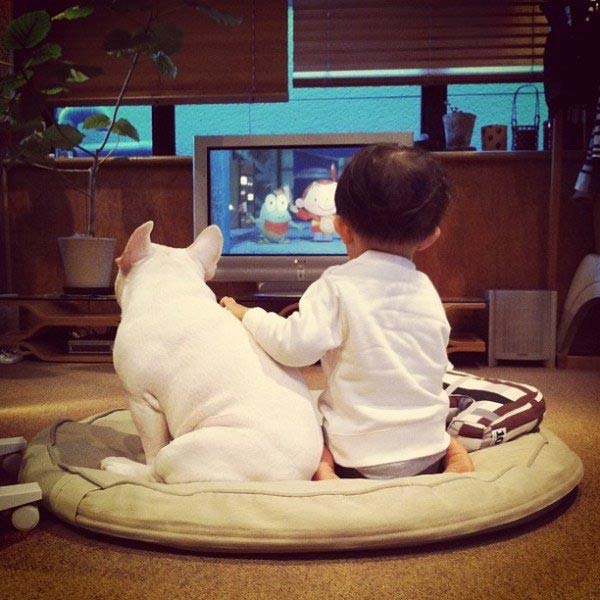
[525, 137]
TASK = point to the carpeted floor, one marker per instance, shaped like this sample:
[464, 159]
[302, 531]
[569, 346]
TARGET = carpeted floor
[555, 557]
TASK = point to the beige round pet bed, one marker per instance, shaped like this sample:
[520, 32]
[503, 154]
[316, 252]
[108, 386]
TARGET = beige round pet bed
[512, 482]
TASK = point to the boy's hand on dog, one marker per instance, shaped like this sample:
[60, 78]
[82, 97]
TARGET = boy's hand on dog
[237, 310]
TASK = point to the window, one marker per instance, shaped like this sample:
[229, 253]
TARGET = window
[352, 108]
[308, 110]
[355, 108]
[139, 116]
[347, 110]
[492, 103]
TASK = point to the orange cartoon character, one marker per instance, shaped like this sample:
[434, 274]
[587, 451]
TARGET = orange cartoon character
[317, 205]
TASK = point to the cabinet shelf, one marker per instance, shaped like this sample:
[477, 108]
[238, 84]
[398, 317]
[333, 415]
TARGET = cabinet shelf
[45, 323]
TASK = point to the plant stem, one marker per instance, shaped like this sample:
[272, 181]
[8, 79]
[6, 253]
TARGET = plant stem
[93, 172]
[91, 196]
[134, 61]
[108, 154]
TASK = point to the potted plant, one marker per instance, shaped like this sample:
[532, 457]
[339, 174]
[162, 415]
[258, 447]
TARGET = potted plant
[458, 128]
[39, 74]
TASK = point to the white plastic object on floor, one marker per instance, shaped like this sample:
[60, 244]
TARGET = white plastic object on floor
[25, 518]
[19, 496]
[584, 290]
[12, 496]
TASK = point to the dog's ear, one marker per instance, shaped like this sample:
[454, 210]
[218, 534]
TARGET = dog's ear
[207, 248]
[138, 247]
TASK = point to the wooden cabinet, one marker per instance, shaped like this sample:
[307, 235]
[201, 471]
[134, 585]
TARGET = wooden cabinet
[468, 319]
[61, 328]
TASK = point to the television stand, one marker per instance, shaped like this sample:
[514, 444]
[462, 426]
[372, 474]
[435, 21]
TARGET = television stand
[281, 289]
[45, 322]
[46, 325]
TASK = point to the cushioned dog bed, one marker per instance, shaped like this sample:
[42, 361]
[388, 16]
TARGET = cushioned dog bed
[512, 481]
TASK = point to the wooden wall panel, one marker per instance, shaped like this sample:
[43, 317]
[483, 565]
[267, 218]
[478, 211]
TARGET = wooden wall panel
[40, 209]
[494, 236]
[494, 233]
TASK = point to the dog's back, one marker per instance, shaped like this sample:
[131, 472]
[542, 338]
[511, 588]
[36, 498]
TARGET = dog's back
[231, 410]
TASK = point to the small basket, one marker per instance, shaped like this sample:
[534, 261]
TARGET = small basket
[525, 137]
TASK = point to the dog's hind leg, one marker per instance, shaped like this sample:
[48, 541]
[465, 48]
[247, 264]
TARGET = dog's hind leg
[151, 424]
[154, 434]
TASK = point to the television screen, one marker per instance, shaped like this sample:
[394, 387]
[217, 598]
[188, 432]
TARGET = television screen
[276, 200]
[272, 196]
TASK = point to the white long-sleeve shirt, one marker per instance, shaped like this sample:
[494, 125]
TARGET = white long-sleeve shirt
[380, 330]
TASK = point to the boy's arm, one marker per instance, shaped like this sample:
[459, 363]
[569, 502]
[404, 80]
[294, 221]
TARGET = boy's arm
[302, 338]
[237, 310]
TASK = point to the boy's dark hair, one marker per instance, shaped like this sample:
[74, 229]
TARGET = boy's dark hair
[392, 194]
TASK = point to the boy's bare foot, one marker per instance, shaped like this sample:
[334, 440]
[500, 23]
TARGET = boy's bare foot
[457, 459]
[326, 468]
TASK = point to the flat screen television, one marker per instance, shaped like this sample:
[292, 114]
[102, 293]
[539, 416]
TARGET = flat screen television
[272, 197]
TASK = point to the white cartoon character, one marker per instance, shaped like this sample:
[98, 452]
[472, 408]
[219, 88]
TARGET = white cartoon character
[317, 205]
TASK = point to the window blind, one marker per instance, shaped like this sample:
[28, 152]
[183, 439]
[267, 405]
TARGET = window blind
[370, 42]
[217, 63]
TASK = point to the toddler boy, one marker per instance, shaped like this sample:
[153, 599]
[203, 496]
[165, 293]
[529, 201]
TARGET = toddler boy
[376, 323]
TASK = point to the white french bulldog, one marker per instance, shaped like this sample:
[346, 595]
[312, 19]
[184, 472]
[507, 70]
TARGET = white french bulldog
[209, 404]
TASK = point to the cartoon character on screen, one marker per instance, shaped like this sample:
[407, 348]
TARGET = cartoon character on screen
[274, 219]
[317, 205]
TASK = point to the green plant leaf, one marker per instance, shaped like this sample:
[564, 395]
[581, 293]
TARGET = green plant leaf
[167, 38]
[64, 71]
[64, 137]
[27, 31]
[53, 91]
[97, 121]
[10, 84]
[58, 70]
[44, 54]
[89, 70]
[74, 12]
[76, 76]
[125, 128]
[164, 64]
[34, 148]
[216, 15]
